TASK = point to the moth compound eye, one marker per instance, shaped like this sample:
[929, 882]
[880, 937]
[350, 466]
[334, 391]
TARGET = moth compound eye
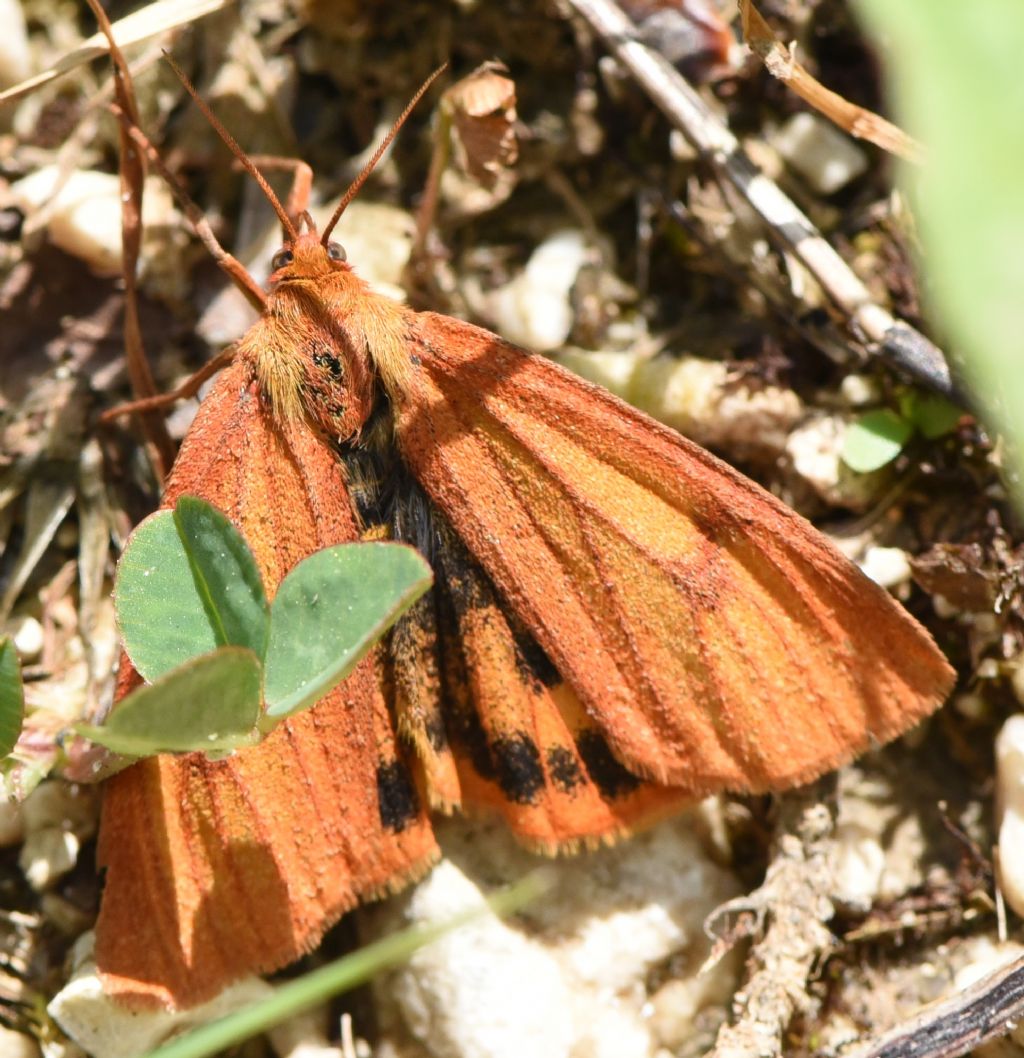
[281, 258]
[336, 252]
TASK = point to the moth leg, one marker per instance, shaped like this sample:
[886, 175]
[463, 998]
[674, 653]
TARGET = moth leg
[188, 388]
[228, 263]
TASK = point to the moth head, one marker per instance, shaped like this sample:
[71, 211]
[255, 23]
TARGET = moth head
[304, 254]
[307, 256]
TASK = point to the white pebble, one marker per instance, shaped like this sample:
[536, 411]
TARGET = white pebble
[85, 217]
[878, 850]
[971, 705]
[888, 567]
[17, 1044]
[858, 865]
[572, 974]
[103, 1027]
[825, 157]
[613, 370]
[483, 991]
[28, 639]
[944, 608]
[1010, 808]
[697, 397]
[535, 308]
[860, 390]
[815, 449]
[613, 1032]
[15, 59]
[58, 818]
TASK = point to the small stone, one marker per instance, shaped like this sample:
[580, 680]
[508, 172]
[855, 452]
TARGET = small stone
[1010, 799]
[571, 974]
[860, 390]
[15, 61]
[613, 1031]
[17, 1044]
[858, 865]
[58, 818]
[877, 851]
[971, 705]
[482, 991]
[85, 214]
[535, 308]
[696, 397]
[28, 639]
[825, 157]
[888, 567]
[612, 370]
[104, 1027]
[815, 449]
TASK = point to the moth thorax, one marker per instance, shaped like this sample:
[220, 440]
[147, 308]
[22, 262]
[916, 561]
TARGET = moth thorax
[338, 390]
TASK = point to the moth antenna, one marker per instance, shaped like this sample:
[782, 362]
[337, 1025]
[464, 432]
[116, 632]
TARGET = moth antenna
[244, 160]
[361, 179]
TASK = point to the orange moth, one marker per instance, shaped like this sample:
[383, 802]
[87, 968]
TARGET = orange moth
[620, 624]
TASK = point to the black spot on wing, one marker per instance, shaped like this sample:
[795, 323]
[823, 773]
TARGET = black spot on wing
[467, 733]
[564, 769]
[471, 588]
[437, 733]
[520, 774]
[532, 662]
[397, 799]
[607, 774]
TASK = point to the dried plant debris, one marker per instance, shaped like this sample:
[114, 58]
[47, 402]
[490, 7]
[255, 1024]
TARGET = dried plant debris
[550, 197]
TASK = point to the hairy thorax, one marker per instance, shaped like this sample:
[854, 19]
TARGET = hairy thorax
[328, 348]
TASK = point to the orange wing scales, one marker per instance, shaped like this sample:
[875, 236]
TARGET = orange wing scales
[620, 624]
[524, 747]
[715, 645]
[219, 869]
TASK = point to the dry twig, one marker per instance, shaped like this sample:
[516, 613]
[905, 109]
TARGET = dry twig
[986, 1011]
[794, 901]
[149, 21]
[133, 176]
[781, 62]
[902, 344]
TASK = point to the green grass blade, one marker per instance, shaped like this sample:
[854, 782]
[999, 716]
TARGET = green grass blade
[340, 976]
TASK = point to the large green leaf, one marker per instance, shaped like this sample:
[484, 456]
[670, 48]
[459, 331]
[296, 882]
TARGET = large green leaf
[226, 570]
[955, 77]
[12, 696]
[209, 703]
[329, 611]
[186, 584]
